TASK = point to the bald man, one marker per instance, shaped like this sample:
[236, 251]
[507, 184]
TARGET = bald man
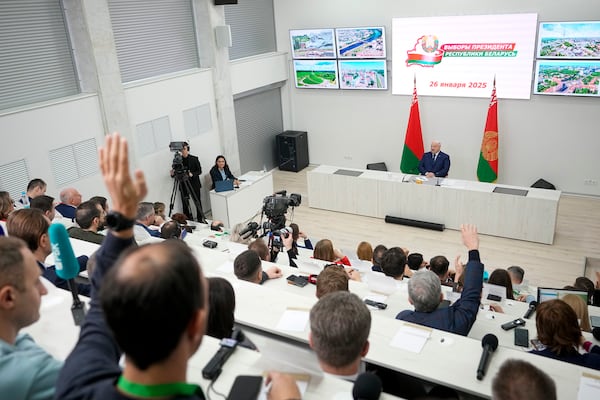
[70, 199]
[435, 163]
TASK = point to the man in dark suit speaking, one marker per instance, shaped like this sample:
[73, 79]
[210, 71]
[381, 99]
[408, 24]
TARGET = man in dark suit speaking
[435, 163]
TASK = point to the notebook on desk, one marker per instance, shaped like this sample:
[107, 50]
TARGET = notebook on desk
[223, 186]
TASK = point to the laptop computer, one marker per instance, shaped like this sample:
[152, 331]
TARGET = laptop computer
[545, 294]
[223, 186]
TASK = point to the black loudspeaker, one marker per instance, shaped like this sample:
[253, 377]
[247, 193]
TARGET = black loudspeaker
[380, 166]
[413, 222]
[292, 150]
[543, 184]
[223, 2]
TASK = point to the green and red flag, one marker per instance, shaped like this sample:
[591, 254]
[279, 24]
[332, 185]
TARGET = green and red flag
[487, 168]
[413, 141]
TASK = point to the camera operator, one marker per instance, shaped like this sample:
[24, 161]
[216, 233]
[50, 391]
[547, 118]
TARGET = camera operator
[191, 166]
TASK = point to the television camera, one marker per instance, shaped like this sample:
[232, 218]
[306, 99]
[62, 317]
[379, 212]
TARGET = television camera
[181, 176]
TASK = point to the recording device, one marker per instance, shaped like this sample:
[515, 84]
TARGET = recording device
[210, 244]
[251, 228]
[67, 267]
[276, 205]
[376, 304]
[213, 369]
[521, 337]
[177, 163]
[245, 387]
[513, 324]
[531, 309]
[489, 344]
[300, 281]
[367, 386]
[494, 297]
[537, 344]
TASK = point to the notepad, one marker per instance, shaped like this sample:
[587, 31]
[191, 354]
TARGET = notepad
[589, 387]
[301, 380]
[411, 338]
[294, 320]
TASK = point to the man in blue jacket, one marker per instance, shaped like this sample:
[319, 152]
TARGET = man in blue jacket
[435, 163]
[424, 292]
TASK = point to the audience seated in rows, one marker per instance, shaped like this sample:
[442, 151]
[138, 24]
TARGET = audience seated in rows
[26, 370]
[159, 338]
[31, 225]
[440, 266]
[558, 330]
[91, 219]
[260, 247]
[70, 198]
[102, 201]
[144, 219]
[518, 380]
[414, 262]
[247, 266]
[325, 251]
[424, 292]
[220, 322]
[501, 277]
[159, 213]
[377, 256]
[364, 251]
[7, 205]
[339, 330]
[172, 230]
[297, 234]
[332, 278]
[44, 203]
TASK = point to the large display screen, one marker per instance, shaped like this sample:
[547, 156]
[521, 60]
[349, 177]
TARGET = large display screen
[363, 74]
[461, 55]
[569, 40]
[312, 43]
[318, 74]
[368, 42]
[566, 77]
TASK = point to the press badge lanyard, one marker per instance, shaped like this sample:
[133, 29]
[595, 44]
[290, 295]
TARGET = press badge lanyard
[161, 390]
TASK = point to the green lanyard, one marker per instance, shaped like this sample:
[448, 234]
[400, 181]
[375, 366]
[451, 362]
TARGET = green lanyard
[162, 390]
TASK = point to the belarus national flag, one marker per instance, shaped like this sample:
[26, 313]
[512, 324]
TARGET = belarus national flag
[413, 141]
[487, 168]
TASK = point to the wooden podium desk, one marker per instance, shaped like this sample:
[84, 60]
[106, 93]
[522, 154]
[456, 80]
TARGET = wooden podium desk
[239, 205]
[378, 193]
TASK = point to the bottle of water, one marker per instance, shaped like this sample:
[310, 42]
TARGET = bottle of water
[24, 200]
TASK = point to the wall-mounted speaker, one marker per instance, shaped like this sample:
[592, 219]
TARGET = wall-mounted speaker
[223, 36]
[223, 2]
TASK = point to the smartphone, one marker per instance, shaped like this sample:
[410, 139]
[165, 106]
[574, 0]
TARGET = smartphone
[245, 387]
[537, 344]
[521, 337]
[513, 324]
[297, 280]
[376, 304]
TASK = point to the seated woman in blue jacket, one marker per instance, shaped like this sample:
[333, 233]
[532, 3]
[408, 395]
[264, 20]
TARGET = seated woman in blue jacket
[220, 172]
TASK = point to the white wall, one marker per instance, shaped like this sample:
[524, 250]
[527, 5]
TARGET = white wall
[33, 132]
[554, 138]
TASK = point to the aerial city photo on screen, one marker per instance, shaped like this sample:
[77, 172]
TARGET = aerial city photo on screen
[363, 74]
[567, 77]
[574, 40]
[360, 42]
[312, 43]
[316, 74]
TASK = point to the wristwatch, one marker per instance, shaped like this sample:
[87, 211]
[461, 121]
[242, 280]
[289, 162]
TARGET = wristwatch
[118, 222]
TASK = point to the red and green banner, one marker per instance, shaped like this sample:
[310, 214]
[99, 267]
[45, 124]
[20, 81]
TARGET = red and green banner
[413, 141]
[487, 168]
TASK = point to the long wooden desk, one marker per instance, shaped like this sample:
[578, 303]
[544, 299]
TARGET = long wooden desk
[239, 205]
[454, 202]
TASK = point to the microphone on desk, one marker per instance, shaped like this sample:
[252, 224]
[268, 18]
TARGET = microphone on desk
[531, 309]
[489, 344]
[367, 386]
[213, 369]
[67, 267]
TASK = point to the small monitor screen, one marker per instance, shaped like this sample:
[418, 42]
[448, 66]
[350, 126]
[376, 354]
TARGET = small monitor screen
[545, 294]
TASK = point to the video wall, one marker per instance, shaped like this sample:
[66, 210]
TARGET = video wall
[568, 59]
[458, 56]
[342, 58]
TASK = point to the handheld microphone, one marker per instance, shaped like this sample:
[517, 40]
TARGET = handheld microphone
[366, 387]
[531, 309]
[67, 267]
[489, 344]
[213, 369]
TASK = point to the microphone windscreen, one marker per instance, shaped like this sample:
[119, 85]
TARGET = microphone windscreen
[66, 264]
[366, 387]
[490, 340]
[596, 333]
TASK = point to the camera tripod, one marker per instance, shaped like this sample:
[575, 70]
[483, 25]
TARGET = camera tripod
[185, 189]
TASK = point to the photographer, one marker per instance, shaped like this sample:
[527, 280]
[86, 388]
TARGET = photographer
[190, 165]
